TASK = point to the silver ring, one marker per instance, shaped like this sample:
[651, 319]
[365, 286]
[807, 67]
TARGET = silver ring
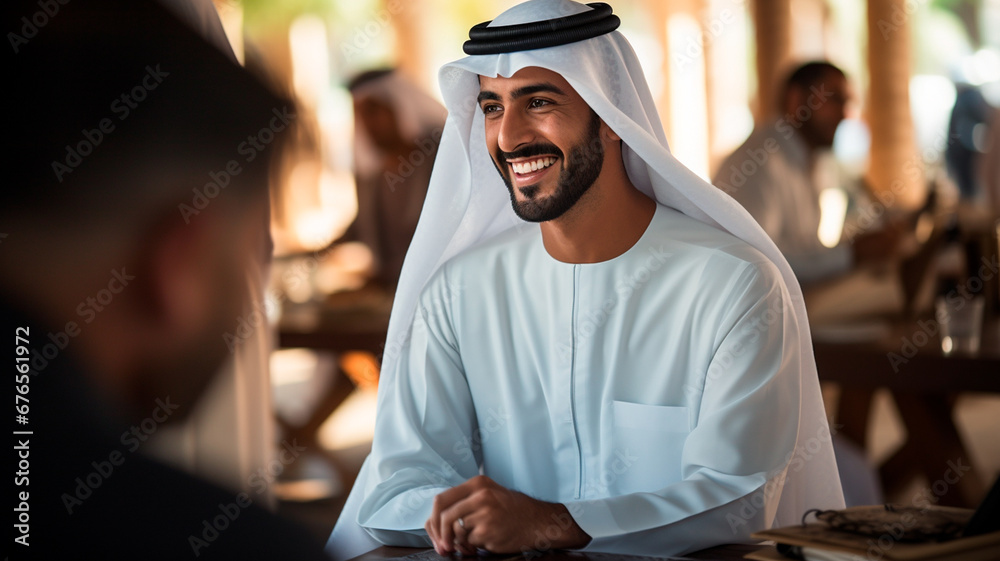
[461, 523]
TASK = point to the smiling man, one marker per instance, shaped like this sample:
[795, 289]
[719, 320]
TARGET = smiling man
[614, 359]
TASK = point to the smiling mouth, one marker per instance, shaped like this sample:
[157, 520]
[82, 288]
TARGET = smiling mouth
[528, 166]
[529, 171]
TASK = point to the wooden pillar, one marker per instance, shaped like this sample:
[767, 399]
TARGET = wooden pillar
[679, 30]
[895, 169]
[409, 21]
[772, 24]
[704, 13]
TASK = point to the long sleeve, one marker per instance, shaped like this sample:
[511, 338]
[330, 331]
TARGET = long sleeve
[422, 422]
[735, 457]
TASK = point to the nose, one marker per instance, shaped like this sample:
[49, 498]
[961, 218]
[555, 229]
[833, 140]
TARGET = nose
[514, 131]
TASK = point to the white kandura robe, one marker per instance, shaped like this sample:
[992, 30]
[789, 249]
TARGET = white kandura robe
[655, 394]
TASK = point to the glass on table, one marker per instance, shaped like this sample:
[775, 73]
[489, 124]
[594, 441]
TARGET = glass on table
[961, 319]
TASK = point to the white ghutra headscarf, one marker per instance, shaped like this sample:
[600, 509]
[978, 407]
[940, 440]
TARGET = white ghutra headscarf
[467, 203]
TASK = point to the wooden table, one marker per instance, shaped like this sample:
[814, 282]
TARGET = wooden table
[347, 322]
[924, 383]
[730, 552]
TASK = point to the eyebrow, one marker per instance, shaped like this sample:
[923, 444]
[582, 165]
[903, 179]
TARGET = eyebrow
[483, 95]
[521, 92]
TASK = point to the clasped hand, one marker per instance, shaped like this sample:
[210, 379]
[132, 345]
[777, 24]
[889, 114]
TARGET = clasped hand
[483, 514]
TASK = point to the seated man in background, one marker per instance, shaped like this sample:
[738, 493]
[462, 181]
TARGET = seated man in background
[131, 220]
[590, 346]
[779, 173]
[397, 128]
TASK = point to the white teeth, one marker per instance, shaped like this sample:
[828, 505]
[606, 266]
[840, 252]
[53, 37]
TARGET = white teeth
[528, 167]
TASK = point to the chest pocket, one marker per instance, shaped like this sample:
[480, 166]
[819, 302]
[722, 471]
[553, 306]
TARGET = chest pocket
[648, 441]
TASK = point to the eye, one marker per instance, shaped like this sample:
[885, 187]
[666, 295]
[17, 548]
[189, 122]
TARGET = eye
[491, 109]
[538, 103]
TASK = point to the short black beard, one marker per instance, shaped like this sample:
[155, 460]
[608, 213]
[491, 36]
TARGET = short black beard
[581, 171]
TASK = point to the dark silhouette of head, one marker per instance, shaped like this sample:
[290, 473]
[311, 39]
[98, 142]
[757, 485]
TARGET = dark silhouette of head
[814, 99]
[136, 194]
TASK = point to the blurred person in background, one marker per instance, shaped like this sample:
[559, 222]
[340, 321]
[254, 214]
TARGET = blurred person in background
[132, 226]
[397, 128]
[780, 171]
[967, 138]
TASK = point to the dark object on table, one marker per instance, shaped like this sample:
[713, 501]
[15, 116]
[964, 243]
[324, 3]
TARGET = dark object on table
[918, 532]
[905, 523]
[987, 516]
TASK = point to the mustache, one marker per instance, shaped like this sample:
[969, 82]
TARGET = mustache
[528, 151]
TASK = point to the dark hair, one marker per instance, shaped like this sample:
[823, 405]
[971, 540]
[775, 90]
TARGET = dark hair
[368, 76]
[809, 74]
[120, 104]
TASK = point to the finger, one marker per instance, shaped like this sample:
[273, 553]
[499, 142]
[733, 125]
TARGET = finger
[431, 525]
[432, 533]
[451, 530]
[443, 535]
[459, 521]
[463, 529]
[451, 502]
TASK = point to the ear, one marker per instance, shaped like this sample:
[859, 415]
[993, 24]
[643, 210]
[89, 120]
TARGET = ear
[795, 98]
[374, 107]
[607, 134]
[179, 264]
[365, 105]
